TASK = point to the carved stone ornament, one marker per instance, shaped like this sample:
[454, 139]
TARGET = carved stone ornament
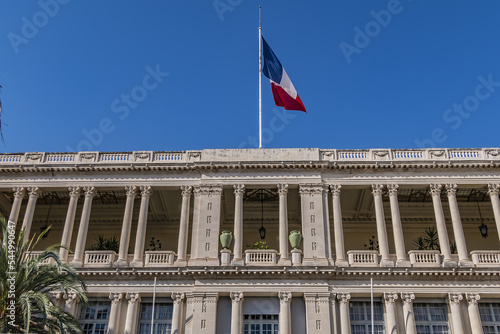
[282, 189]
[142, 156]
[131, 191]
[177, 297]
[377, 189]
[455, 298]
[390, 297]
[133, 297]
[494, 153]
[343, 297]
[236, 297]
[473, 298]
[311, 189]
[393, 189]
[186, 191]
[407, 298]
[208, 190]
[381, 153]
[146, 191]
[70, 298]
[89, 191]
[335, 189]
[33, 157]
[18, 192]
[284, 297]
[437, 153]
[451, 189]
[493, 189]
[88, 157]
[74, 191]
[34, 191]
[115, 297]
[194, 154]
[435, 189]
[239, 189]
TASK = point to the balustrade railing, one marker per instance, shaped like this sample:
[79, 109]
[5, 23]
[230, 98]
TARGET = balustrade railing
[486, 258]
[159, 258]
[425, 258]
[260, 257]
[99, 258]
[363, 258]
[35, 254]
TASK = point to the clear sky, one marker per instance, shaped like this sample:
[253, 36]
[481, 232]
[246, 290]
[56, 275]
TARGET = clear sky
[183, 75]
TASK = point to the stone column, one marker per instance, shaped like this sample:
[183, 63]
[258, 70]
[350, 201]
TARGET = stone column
[326, 218]
[381, 228]
[284, 319]
[239, 191]
[183, 226]
[236, 312]
[70, 303]
[493, 190]
[456, 314]
[141, 227]
[399, 241]
[338, 230]
[83, 228]
[463, 255]
[16, 205]
[474, 315]
[390, 309]
[74, 194]
[177, 312]
[408, 315]
[114, 313]
[30, 211]
[345, 320]
[126, 225]
[283, 224]
[441, 225]
[333, 311]
[317, 312]
[132, 307]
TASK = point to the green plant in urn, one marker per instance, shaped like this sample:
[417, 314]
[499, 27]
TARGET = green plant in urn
[226, 237]
[295, 239]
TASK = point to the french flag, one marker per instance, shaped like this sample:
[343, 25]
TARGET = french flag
[284, 93]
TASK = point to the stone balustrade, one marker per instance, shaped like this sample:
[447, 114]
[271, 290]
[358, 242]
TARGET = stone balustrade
[363, 258]
[159, 258]
[425, 258]
[260, 257]
[35, 254]
[99, 259]
[488, 258]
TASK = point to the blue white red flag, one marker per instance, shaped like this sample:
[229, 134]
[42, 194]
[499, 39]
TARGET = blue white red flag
[284, 93]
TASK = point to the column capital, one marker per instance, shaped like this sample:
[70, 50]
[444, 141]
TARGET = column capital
[239, 189]
[70, 298]
[89, 191]
[493, 189]
[18, 192]
[284, 297]
[455, 298]
[186, 191]
[407, 297]
[236, 297]
[472, 298]
[115, 297]
[393, 189]
[282, 188]
[389, 298]
[377, 189]
[146, 191]
[451, 189]
[177, 297]
[74, 192]
[435, 189]
[311, 189]
[344, 297]
[133, 297]
[335, 189]
[34, 191]
[131, 191]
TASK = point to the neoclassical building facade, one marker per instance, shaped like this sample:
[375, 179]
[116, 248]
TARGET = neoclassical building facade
[267, 241]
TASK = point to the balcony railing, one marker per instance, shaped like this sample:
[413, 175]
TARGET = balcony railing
[486, 258]
[35, 254]
[425, 258]
[159, 258]
[260, 257]
[363, 258]
[99, 259]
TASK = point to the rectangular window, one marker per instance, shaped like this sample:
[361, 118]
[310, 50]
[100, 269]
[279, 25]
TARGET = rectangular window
[361, 317]
[162, 318]
[431, 318]
[490, 317]
[94, 318]
[260, 324]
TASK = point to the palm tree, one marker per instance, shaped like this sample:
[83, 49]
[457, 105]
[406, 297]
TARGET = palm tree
[25, 285]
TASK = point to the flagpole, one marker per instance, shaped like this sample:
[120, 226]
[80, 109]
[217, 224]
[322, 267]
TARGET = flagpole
[260, 81]
[371, 305]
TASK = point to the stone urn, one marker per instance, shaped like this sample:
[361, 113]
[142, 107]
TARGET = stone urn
[226, 237]
[295, 239]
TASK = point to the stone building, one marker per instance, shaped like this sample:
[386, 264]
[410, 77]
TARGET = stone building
[422, 224]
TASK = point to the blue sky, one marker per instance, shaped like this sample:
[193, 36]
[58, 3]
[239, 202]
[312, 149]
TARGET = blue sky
[183, 75]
